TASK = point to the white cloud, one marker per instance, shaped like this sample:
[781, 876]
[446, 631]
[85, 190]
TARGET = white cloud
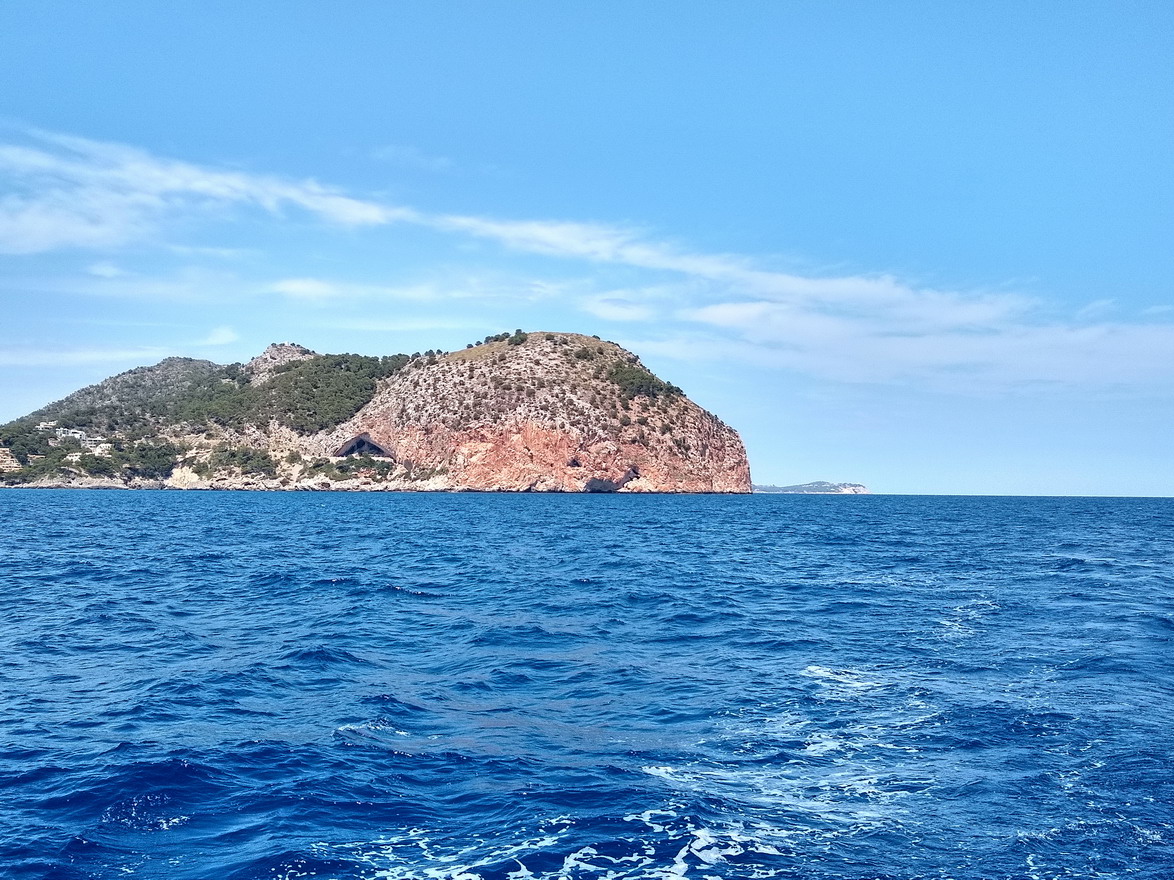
[617, 308]
[469, 287]
[1000, 353]
[220, 336]
[311, 289]
[306, 288]
[1096, 310]
[73, 192]
[641, 304]
[404, 325]
[188, 284]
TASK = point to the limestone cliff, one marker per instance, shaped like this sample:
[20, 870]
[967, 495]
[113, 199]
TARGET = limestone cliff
[527, 412]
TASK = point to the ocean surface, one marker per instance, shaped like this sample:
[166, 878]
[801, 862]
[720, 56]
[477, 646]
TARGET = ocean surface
[228, 686]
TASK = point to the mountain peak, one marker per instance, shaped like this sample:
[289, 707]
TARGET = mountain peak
[275, 356]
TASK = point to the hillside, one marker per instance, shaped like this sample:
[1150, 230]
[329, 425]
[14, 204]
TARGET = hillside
[515, 412]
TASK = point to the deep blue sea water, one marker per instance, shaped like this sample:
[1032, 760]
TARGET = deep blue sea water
[239, 686]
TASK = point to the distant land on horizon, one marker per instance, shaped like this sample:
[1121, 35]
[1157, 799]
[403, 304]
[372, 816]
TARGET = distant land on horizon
[515, 412]
[819, 487]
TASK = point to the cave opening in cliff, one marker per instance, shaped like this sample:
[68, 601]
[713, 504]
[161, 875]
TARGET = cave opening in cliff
[362, 445]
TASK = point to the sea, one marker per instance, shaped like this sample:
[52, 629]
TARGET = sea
[237, 686]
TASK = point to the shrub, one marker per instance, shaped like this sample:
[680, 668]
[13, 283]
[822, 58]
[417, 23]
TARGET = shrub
[98, 465]
[634, 381]
[248, 461]
[154, 461]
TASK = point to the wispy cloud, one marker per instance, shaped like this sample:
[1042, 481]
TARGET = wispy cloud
[998, 355]
[71, 192]
[105, 270]
[220, 336]
[404, 325]
[318, 289]
[620, 305]
[482, 288]
[44, 357]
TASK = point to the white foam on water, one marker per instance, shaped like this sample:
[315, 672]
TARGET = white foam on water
[846, 678]
[776, 790]
[963, 620]
[372, 727]
[821, 743]
[818, 775]
[663, 846]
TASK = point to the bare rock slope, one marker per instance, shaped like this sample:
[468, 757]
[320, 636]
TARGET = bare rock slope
[552, 413]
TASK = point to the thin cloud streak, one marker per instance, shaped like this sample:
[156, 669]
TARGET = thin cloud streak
[41, 357]
[220, 336]
[1048, 356]
[74, 192]
[317, 289]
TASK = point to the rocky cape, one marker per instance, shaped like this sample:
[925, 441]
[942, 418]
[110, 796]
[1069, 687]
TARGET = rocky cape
[548, 412]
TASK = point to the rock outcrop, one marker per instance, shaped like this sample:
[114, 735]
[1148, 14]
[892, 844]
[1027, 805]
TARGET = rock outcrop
[8, 461]
[273, 358]
[554, 412]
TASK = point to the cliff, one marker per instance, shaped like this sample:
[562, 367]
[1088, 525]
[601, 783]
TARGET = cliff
[521, 412]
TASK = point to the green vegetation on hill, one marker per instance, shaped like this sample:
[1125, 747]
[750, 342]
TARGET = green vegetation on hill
[247, 461]
[146, 459]
[635, 381]
[134, 408]
[516, 338]
[319, 393]
[308, 396]
[131, 404]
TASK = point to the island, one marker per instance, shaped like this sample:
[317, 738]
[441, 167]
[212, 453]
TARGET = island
[514, 412]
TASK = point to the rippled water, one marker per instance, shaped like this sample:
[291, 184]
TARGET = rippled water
[210, 685]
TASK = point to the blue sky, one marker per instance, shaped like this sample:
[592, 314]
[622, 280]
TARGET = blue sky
[923, 246]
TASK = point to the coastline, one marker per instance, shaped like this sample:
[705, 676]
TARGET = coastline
[228, 485]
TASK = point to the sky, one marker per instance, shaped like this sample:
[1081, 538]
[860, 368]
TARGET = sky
[922, 246]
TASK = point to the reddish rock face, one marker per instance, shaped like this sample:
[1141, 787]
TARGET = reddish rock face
[545, 415]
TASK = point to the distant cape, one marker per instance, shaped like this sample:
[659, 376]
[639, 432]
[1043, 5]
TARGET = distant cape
[820, 487]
